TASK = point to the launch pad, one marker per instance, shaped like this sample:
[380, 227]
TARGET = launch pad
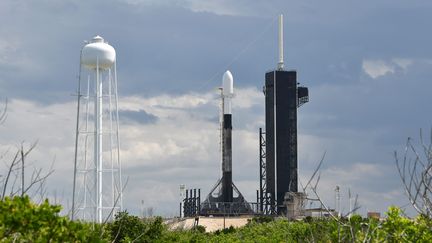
[215, 204]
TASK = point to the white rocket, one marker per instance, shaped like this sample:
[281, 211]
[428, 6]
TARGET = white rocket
[227, 95]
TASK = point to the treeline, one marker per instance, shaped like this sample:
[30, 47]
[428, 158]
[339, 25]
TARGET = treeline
[21, 220]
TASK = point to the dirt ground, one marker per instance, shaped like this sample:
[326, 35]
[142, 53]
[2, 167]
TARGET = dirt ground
[211, 224]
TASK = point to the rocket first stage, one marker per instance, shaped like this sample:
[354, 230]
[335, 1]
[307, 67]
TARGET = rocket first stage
[227, 95]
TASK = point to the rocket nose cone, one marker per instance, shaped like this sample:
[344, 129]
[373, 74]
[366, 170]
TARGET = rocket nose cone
[227, 77]
[228, 83]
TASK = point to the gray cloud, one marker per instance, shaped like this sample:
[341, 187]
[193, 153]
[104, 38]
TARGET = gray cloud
[140, 116]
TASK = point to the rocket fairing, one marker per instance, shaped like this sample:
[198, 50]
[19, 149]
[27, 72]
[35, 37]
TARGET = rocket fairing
[227, 91]
[227, 95]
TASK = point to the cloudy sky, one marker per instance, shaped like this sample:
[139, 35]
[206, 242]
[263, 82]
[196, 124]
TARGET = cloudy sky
[368, 66]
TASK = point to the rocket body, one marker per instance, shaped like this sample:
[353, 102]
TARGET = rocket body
[227, 94]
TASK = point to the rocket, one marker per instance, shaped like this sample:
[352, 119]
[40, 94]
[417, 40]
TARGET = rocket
[229, 200]
[226, 128]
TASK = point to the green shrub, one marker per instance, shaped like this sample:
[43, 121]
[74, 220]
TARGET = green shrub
[24, 221]
[200, 228]
[127, 228]
[262, 219]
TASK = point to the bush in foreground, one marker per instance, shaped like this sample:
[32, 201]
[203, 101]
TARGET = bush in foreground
[129, 228]
[24, 221]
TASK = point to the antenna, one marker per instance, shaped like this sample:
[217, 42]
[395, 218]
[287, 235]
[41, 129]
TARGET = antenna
[350, 203]
[281, 47]
[337, 200]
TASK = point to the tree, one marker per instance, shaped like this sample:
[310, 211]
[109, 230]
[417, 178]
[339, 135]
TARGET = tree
[21, 220]
[415, 171]
[13, 181]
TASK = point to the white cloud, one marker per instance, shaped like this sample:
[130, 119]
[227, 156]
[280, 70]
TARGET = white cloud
[378, 68]
[6, 48]
[165, 101]
[247, 98]
[403, 63]
[217, 7]
[221, 7]
[354, 172]
[182, 139]
[181, 147]
[13, 56]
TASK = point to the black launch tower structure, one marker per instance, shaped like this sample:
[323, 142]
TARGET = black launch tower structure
[278, 144]
[282, 98]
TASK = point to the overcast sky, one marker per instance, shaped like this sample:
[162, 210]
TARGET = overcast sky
[368, 66]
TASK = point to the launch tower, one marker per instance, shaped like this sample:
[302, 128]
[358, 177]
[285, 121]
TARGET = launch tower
[282, 98]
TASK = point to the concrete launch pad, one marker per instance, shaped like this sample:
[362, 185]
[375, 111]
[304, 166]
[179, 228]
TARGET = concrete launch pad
[211, 224]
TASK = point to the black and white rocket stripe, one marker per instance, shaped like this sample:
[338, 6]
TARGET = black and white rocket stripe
[227, 94]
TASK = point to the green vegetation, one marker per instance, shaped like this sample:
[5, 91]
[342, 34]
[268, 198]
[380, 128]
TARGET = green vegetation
[24, 221]
[128, 228]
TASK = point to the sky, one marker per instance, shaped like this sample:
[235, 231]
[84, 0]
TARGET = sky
[367, 64]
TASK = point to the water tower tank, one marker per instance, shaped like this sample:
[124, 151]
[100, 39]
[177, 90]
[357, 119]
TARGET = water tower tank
[98, 53]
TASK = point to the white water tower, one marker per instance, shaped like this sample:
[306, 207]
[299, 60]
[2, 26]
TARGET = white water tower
[97, 189]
